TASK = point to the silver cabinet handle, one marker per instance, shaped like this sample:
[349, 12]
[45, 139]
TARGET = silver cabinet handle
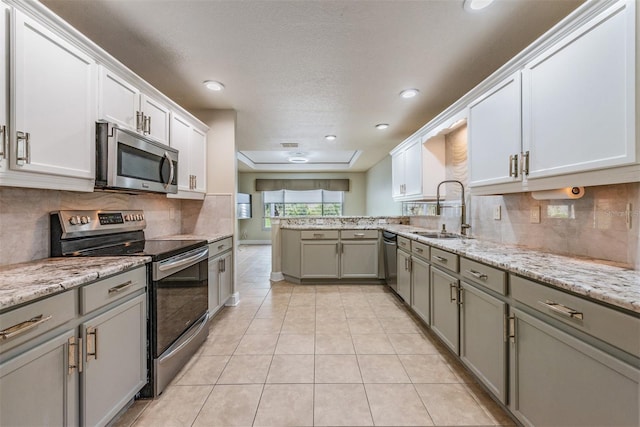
[147, 125]
[525, 163]
[439, 258]
[120, 288]
[452, 296]
[3, 130]
[562, 309]
[512, 328]
[139, 121]
[220, 247]
[419, 250]
[23, 154]
[358, 234]
[22, 327]
[513, 166]
[318, 235]
[477, 274]
[93, 352]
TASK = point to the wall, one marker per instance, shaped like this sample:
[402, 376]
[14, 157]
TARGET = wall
[251, 229]
[378, 196]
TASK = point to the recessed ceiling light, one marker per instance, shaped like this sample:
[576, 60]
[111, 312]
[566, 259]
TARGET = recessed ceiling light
[330, 137]
[382, 126]
[409, 93]
[297, 160]
[213, 85]
[475, 5]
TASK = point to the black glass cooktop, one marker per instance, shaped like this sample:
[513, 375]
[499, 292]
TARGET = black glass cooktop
[158, 250]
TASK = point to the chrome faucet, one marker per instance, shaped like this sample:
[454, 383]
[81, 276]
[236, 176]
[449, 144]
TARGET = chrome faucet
[463, 211]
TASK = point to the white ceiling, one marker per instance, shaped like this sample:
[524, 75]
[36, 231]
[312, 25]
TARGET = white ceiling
[298, 70]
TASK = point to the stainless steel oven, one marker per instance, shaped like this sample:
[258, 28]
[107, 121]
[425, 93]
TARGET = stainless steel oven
[177, 277]
[128, 161]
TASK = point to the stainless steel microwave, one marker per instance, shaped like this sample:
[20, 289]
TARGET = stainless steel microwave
[126, 161]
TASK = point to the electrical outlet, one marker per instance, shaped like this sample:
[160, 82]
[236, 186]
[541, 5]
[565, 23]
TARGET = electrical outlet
[497, 212]
[534, 217]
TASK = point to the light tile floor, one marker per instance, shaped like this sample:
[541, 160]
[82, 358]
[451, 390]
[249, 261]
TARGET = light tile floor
[302, 355]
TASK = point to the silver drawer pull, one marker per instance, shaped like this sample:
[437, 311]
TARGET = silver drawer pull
[419, 250]
[220, 247]
[358, 234]
[23, 327]
[477, 274]
[562, 309]
[439, 258]
[120, 288]
[318, 234]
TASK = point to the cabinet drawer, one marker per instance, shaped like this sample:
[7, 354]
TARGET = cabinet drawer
[444, 259]
[404, 243]
[420, 249]
[105, 291]
[25, 323]
[609, 325]
[484, 275]
[220, 246]
[359, 234]
[319, 234]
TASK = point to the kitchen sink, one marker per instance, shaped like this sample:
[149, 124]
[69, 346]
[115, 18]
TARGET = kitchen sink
[437, 235]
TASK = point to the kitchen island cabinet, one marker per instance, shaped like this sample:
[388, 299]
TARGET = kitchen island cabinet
[320, 254]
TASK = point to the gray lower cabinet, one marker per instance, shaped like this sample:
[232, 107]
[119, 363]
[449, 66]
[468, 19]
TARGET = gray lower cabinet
[483, 346]
[359, 259]
[114, 356]
[40, 386]
[403, 260]
[320, 259]
[220, 273]
[558, 380]
[420, 300]
[226, 277]
[444, 308]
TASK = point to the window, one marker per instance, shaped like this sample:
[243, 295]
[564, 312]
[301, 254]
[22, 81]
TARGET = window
[300, 203]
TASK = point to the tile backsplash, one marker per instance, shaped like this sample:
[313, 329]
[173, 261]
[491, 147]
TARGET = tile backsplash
[24, 216]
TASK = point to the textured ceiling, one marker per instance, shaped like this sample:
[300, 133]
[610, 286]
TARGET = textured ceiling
[298, 70]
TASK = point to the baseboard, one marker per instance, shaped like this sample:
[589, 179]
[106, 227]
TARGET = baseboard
[233, 300]
[276, 276]
[254, 242]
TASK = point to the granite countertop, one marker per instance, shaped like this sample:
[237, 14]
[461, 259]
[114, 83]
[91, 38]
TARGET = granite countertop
[24, 282]
[600, 280]
[210, 238]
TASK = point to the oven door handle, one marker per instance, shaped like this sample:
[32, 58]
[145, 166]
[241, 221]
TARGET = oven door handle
[190, 260]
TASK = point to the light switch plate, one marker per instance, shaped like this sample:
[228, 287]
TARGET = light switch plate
[497, 212]
[535, 215]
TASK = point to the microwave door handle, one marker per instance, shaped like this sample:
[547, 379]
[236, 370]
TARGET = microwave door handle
[171, 170]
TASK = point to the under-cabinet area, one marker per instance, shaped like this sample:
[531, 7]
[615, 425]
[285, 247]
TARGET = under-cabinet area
[520, 337]
[80, 355]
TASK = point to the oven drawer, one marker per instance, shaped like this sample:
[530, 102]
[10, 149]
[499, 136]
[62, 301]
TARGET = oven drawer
[220, 246]
[105, 291]
[24, 323]
[607, 324]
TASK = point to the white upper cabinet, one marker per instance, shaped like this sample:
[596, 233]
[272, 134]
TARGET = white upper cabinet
[53, 102]
[4, 85]
[122, 103]
[191, 143]
[416, 168]
[494, 134]
[579, 98]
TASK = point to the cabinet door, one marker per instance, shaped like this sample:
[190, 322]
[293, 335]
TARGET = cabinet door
[559, 380]
[226, 277]
[403, 260]
[156, 119]
[444, 307]
[38, 388]
[180, 133]
[4, 85]
[413, 170]
[397, 174]
[118, 100]
[54, 86]
[320, 259]
[115, 360]
[420, 288]
[198, 159]
[579, 98]
[214, 283]
[494, 134]
[483, 346]
[359, 259]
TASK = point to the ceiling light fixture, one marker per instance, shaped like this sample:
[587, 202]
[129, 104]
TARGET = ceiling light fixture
[297, 160]
[213, 85]
[476, 5]
[381, 126]
[330, 137]
[409, 93]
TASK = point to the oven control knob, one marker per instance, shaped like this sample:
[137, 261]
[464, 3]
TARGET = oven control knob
[84, 220]
[74, 220]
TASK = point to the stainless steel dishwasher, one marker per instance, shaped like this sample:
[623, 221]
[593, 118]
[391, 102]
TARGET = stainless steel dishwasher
[390, 242]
